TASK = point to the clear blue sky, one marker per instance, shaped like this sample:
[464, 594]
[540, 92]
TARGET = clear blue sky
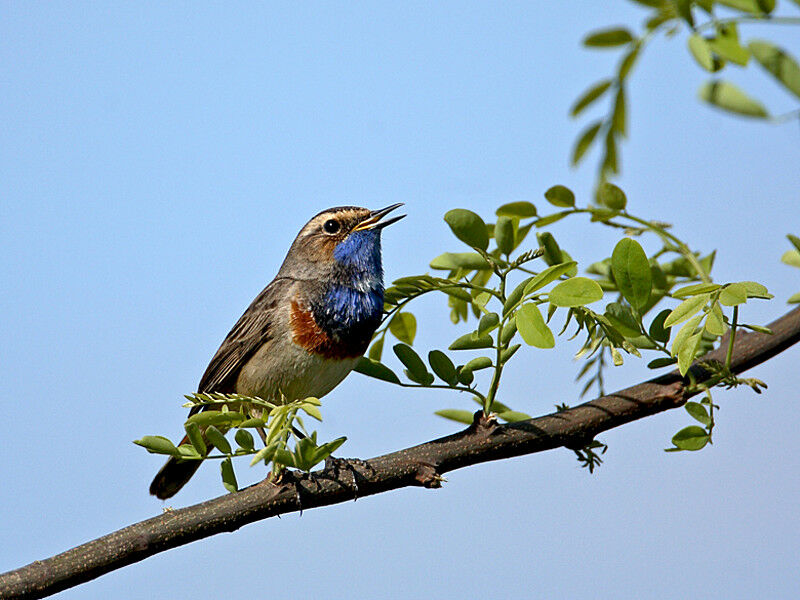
[156, 161]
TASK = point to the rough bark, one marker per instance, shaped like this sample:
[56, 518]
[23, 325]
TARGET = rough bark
[423, 465]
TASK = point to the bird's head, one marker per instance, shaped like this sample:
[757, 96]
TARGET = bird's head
[344, 241]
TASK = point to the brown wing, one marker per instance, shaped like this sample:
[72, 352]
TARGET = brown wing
[253, 329]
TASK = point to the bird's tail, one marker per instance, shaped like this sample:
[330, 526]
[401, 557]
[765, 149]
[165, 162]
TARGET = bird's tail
[173, 476]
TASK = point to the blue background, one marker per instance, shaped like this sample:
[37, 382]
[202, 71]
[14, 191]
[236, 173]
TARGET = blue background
[156, 161]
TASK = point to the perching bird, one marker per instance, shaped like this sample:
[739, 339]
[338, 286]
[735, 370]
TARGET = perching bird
[305, 331]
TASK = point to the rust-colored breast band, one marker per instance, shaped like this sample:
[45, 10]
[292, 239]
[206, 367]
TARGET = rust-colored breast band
[307, 334]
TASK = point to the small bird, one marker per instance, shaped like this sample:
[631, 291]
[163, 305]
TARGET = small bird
[305, 331]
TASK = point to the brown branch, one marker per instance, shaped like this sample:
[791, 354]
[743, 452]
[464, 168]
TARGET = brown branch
[423, 465]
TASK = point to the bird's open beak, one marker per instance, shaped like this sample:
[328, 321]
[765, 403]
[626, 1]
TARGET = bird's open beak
[373, 220]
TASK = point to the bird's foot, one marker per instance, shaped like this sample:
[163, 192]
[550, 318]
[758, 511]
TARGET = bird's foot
[336, 466]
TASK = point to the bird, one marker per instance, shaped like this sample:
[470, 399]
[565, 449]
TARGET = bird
[306, 330]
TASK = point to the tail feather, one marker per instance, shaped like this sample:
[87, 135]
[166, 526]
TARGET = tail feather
[173, 476]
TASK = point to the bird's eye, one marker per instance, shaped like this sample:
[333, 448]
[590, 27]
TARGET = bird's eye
[331, 226]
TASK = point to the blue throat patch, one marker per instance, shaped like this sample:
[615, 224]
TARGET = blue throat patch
[360, 253]
[353, 303]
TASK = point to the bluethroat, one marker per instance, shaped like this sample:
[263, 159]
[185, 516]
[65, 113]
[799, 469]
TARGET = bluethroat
[305, 331]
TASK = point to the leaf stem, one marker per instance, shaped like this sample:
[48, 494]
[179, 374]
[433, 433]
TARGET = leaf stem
[439, 386]
[749, 19]
[732, 338]
[498, 366]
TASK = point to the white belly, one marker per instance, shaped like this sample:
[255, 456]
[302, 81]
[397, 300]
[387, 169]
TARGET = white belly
[285, 368]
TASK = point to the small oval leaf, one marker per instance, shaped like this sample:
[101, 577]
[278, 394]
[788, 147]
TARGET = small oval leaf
[729, 97]
[532, 327]
[560, 196]
[373, 368]
[443, 367]
[577, 291]
[404, 327]
[468, 227]
[631, 271]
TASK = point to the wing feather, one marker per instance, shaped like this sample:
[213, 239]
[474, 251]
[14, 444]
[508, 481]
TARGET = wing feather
[251, 331]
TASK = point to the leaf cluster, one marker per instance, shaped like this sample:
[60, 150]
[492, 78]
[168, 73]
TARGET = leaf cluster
[714, 43]
[496, 291]
[286, 443]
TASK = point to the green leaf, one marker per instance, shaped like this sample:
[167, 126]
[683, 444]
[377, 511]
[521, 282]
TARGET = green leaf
[253, 423]
[196, 438]
[216, 417]
[532, 327]
[521, 209]
[468, 227]
[228, 476]
[701, 51]
[794, 240]
[577, 291]
[686, 309]
[513, 416]
[456, 292]
[548, 275]
[727, 96]
[504, 234]
[698, 412]
[756, 290]
[450, 261]
[661, 362]
[754, 7]
[264, 454]
[695, 289]
[550, 219]
[618, 117]
[515, 296]
[417, 371]
[623, 319]
[611, 196]
[376, 349]
[589, 96]
[373, 368]
[489, 322]
[631, 270]
[687, 351]
[312, 411]
[791, 258]
[686, 331]
[216, 438]
[325, 450]
[521, 233]
[552, 251]
[715, 325]
[585, 140]
[684, 8]
[465, 376]
[479, 363]
[560, 196]
[690, 438]
[608, 38]
[506, 355]
[245, 439]
[728, 47]
[627, 62]
[443, 367]
[404, 327]
[657, 329]
[454, 414]
[157, 444]
[509, 330]
[733, 294]
[794, 299]
[469, 342]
